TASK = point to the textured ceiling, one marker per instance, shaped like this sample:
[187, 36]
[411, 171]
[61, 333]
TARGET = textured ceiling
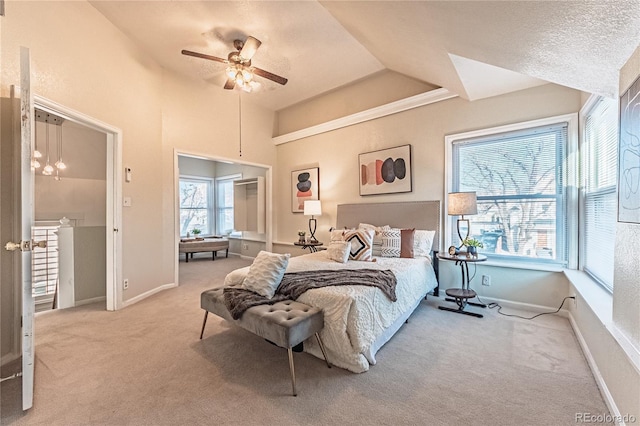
[475, 49]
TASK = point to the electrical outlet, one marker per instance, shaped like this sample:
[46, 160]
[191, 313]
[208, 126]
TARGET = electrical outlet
[486, 280]
[125, 283]
[575, 301]
[245, 246]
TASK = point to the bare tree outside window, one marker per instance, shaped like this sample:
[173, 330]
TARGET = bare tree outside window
[519, 185]
[194, 206]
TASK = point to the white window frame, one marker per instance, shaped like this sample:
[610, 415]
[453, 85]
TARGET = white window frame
[585, 111]
[210, 203]
[571, 164]
[218, 180]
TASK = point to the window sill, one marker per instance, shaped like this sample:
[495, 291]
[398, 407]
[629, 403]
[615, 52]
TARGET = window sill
[600, 302]
[524, 265]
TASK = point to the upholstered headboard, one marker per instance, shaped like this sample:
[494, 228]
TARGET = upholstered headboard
[409, 214]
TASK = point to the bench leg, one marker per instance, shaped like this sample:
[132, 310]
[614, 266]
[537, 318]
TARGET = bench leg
[293, 373]
[204, 323]
[213, 255]
[324, 353]
[186, 255]
[227, 253]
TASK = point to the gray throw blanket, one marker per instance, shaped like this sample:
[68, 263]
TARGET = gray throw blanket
[238, 300]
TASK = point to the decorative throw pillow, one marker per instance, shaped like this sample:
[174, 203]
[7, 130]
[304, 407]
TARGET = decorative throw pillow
[338, 251]
[422, 242]
[406, 243]
[265, 273]
[391, 239]
[361, 244]
[377, 236]
[337, 234]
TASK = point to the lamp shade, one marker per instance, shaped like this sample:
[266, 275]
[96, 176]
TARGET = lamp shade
[312, 208]
[461, 203]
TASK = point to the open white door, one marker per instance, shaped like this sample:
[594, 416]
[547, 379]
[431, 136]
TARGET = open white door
[25, 196]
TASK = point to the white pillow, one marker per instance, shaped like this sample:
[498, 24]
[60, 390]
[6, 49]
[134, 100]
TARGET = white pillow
[339, 251]
[265, 273]
[422, 242]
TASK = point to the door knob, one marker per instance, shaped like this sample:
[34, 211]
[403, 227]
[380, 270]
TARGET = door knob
[39, 244]
[11, 246]
[25, 245]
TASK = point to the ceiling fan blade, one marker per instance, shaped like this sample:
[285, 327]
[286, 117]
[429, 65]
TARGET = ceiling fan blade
[269, 76]
[250, 47]
[230, 84]
[203, 56]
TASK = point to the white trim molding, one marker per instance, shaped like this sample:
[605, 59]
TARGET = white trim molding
[411, 102]
[146, 294]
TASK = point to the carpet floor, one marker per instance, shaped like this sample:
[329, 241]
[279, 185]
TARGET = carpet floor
[145, 365]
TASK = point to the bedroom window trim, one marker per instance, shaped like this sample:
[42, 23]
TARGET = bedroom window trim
[210, 203]
[591, 107]
[219, 208]
[570, 163]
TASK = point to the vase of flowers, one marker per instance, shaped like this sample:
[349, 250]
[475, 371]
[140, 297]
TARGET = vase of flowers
[472, 245]
[301, 236]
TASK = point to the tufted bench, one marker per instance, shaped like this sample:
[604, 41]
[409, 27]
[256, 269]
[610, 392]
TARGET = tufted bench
[286, 324]
[209, 244]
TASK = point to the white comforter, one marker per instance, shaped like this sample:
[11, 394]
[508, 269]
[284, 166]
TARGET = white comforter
[355, 317]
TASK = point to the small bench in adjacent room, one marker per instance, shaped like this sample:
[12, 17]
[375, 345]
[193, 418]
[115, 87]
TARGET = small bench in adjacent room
[190, 246]
[286, 323]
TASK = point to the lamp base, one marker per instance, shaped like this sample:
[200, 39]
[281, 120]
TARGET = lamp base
[313, 223]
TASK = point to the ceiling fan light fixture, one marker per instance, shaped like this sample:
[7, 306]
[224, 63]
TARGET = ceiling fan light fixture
[231, 72]
[37, 154]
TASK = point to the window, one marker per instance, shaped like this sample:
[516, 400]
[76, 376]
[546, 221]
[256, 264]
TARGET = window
[44, 261]
[519, 175]
[224, 204]
[599, 200]
[196, 205]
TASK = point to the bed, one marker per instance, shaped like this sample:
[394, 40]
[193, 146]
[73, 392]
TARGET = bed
[360, 319]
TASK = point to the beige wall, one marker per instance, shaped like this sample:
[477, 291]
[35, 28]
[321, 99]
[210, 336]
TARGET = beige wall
[336, 154]
[92, 67]
[373, 91]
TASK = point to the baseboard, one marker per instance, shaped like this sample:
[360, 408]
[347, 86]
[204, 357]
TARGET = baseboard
[604, 390]
[146, 294]
[9, 357]
[538, 309]
[92, 300]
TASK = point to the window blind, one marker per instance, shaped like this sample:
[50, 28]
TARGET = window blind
[599, 177]
[519, 180]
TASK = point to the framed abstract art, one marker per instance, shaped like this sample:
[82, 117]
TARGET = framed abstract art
[387, 171]
[305, 185]
[629, 156]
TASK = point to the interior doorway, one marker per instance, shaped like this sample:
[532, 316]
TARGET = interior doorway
[70, 186]
[219, 175]
[86, 197]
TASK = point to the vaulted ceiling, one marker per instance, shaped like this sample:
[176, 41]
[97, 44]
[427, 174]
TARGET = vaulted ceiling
[475, 49]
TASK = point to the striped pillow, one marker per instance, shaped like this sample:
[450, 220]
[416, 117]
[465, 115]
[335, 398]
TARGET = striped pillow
[377, 236]
[391, 240]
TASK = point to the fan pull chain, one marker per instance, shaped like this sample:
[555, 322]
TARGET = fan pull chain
[240, 120]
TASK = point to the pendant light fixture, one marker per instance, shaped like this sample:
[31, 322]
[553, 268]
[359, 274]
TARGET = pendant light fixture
[36, 154]
[59, 164]
[49, 119]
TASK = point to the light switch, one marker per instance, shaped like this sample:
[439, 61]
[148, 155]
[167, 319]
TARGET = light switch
[126, 202]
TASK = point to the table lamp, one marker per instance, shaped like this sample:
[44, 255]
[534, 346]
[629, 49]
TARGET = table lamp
[312, 208]
[460, 204]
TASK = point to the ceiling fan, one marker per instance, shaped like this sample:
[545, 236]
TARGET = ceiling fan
[240, 72]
